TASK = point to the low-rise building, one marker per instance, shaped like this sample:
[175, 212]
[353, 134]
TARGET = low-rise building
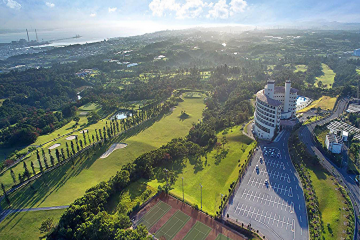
[333, 143]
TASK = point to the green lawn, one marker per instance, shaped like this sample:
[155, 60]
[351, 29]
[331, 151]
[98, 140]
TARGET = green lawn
[6, 178]
[328, 77]
[358, 71]
[1, 101]
[64, 185]
[331, 203]
[214, 177]
[90, 107]
[300, 68]
[313, 119]
[134, 195]
[321, 135]
[25, 225]
[325, 103]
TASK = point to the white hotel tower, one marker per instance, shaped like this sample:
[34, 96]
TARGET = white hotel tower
[272, 104]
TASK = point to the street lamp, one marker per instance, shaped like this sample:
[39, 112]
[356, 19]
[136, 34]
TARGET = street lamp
[201, 195]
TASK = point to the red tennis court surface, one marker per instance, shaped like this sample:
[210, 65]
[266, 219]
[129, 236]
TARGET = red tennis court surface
[195, 216]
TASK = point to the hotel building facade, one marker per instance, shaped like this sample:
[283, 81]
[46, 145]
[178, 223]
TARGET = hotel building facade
[273, 104]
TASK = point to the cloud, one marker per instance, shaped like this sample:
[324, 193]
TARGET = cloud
[112, 10]
[12, 4]
[50, 5]
[93, 15]
[237, 6]
[196, 8]
[219, 10]
[158, 7]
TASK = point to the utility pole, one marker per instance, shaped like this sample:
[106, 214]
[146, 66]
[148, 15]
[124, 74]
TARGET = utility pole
[201, 195]
[183, 187]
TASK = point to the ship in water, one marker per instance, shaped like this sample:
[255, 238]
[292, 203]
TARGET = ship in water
[77, 36]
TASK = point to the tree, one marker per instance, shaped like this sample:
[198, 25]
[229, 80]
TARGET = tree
[81, 144]
[46, 225]
[76, 119]
[62, 154]
[72, 147]
[33, 168]
[51, 158]
[57, 154]
[45, 160]
[84, 136]
[13, 175]
[5, 194]
[320, 84]
[93, 117]
[26, 171]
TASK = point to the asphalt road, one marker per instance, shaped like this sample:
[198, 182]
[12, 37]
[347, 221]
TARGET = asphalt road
[276, 209]
[343, 177]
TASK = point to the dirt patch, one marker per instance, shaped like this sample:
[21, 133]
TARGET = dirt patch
[72, 137]
[54, 146]
[113, 148]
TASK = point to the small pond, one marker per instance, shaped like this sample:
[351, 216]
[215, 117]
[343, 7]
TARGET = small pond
[121, 115]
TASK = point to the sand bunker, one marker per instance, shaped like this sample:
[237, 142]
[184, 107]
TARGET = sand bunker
[72, 137]
[54, 146]
[113, 148]
[82, 131]
[83, 113]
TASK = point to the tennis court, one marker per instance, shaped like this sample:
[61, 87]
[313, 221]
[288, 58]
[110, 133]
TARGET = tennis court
[199, 232]
[172, 226]
[154, 215]
[222, 237]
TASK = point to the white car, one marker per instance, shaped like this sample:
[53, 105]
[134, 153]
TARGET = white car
[266, 182]
[257, 167]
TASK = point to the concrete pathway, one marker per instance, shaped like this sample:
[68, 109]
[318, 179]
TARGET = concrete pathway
[5, 213]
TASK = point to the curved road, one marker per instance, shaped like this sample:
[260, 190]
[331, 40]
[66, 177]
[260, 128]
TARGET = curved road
[306, 136]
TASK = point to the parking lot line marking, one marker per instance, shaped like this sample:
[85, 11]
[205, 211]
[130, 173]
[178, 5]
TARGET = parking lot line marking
[300, 219]
[299, 207]
[297, 196]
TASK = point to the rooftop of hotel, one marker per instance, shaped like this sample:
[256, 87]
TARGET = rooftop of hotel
[280, 89]
[262, 97]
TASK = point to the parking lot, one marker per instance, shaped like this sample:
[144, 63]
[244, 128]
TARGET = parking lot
[269, 196]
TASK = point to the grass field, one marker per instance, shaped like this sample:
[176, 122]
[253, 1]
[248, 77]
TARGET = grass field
[325, 103]
[321, 135]
[331, 203]
[62, 186]
[300, 68]
[358, 71]
[313, 119]
[328, 77]
[25, 225]
[215, 177]
[90, 107]
[134, 195]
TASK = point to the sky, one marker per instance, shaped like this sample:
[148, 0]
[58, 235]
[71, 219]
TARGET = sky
[152, 15]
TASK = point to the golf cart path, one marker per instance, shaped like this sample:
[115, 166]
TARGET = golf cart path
[5, 213]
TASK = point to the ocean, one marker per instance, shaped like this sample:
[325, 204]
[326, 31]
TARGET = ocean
[63, 37]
